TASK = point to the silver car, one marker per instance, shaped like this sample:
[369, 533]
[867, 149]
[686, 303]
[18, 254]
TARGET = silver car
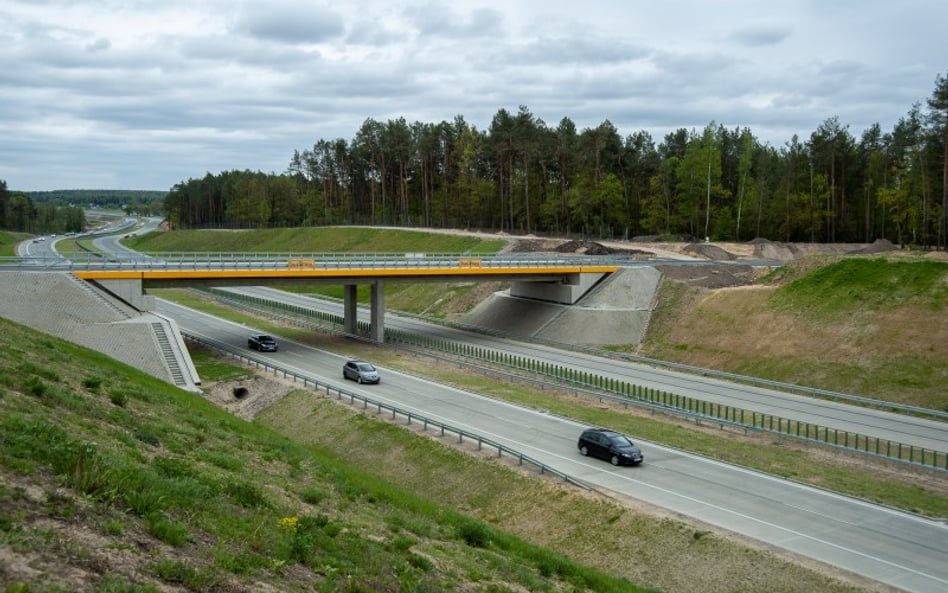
[361, 372]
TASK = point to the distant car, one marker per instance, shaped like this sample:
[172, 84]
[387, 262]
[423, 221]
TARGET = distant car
[262, 343]
[611, 445]
[361, 372]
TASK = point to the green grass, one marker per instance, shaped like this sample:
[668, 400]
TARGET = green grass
[314, 240]
[9, 241]
[219, 494]
[866, 284]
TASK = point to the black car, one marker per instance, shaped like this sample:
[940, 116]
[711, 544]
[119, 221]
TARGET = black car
[361, 372]
[611, 445]
[262, 342]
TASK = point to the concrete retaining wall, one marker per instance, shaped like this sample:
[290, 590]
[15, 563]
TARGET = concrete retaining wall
[616, 311]
[61, 305]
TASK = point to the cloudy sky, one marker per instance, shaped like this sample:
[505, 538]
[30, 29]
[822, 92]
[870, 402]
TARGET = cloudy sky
[127, 94]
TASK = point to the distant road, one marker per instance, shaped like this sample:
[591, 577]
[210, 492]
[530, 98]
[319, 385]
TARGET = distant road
[908, 430]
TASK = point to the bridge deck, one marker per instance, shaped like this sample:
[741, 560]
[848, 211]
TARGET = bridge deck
[342, 274]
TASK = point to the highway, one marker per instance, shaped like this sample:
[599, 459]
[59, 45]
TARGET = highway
[896, 548]
[908, 430]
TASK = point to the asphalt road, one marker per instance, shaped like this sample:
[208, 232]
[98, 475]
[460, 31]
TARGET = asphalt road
[901, 428]
[892, 547]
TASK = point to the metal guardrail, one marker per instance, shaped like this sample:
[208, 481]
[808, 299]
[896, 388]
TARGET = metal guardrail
[395, 411]
[603, 388]
[701, 371]
[83, 260]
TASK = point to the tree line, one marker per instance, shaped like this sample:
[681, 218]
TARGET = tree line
[522, 175]
[19, 213]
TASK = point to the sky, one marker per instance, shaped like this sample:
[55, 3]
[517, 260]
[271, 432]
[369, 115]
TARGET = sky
[105, 94]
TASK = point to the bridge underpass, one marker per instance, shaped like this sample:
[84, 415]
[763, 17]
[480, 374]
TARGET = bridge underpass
[554, 280]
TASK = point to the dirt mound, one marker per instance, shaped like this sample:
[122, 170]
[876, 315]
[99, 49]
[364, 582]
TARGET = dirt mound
[579, 247]
[878, 246]
[709, 251]
[585, 248]
[712, 276]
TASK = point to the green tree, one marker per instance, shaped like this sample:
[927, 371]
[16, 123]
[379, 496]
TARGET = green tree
[3, 203]
[938, 102]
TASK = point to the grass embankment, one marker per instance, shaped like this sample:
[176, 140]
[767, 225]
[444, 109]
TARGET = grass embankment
[111, 481]
[9, 241]
[442, 299]
[875, 327]
[314, 240]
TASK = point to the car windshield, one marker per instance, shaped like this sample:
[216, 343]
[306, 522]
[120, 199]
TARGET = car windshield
[266, 339]
[620, 441]
[364, 366]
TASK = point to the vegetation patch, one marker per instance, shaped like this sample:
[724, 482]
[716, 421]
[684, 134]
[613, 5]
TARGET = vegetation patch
[315, 240]
[169, 491]
[866, 284]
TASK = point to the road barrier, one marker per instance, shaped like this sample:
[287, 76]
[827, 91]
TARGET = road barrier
[396, 412]
[607, 388]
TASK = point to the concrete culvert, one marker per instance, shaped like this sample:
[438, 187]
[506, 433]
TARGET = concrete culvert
[240, 392]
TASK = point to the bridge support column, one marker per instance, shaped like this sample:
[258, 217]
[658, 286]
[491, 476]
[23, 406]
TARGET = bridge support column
[350, 315]
[377, 324]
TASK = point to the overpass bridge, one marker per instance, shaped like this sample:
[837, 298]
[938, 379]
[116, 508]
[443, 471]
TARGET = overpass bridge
[554, 278]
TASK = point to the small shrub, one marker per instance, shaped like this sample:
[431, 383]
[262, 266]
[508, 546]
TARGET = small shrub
[420, 562]
[143, 501]
[36, 387]
[228, 462]
[313, 495]
[474, 533]
[148, 438]
[92, 383]
[170, 571]
[167, 530]
[114, 527]
[118, 398]
[403, 542]
[246, 495]
[173, 467]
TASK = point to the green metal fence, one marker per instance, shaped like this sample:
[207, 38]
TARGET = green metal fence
[629, 393]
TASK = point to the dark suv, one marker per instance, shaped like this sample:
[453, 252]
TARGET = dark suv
[611, 445]
[262, 342]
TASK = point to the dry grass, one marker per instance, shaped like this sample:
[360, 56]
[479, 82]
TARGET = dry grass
[896, 354]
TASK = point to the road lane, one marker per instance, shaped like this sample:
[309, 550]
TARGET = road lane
[889, 546]
[900, 428]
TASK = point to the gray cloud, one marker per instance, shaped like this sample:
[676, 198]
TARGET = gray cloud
[289, 21]
[760, 36]
[143, 95]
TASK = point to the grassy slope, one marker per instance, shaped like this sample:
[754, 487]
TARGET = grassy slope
[314, 240]
[9, 241]
[112, 481]
[875, 327]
